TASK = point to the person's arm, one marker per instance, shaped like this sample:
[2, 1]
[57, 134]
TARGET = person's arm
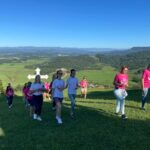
[116, 82]
[43, 89]
[53, 89]
[142, 80]
[78, 85]
[67, 83]
[142, 83]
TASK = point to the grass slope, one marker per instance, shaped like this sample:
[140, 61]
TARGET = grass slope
[96, 127]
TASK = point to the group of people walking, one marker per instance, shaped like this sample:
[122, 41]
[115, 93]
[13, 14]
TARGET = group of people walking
[33, 92]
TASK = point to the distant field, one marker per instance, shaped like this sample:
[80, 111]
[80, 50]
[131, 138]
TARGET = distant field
[16, 73]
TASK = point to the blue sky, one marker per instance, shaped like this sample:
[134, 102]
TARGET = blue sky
[75, 23]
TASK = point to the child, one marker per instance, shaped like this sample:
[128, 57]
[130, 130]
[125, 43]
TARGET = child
[57, 94]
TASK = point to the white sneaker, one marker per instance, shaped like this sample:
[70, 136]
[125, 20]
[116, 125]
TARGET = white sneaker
[39, 118]
[34, 116]
[10, 106]
[59, 120]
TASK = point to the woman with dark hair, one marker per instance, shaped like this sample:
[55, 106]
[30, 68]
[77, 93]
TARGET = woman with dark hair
[120, 83]
[9, 95]
[145, 82]
[37, 88]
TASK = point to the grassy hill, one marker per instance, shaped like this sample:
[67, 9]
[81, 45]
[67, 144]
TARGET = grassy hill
[95, 127]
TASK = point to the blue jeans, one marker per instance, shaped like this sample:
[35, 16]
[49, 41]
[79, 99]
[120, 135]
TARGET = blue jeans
[10, 100]
[73, 101]
[144, 96]
[120, 94]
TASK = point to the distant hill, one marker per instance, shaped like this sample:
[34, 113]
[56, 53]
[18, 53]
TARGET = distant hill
[54, 50]
[135, 58]
[126, 51]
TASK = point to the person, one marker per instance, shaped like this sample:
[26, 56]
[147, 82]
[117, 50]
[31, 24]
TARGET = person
[84, 86]
[72, 85]
[24, 95]
[57, 94]
[50, 91]
[120, 83]
[9, 95]
[46, 94]
[145, 82]
[29, 98]
[37, 88]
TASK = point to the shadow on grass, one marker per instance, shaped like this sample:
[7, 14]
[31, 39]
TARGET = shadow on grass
[133, 95]
[92, 129]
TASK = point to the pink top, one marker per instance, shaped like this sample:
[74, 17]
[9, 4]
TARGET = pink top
[23, 90]
[27, 94]
[9, 92]
[84, 83]
[146, 77]
[46, 86]
[123, 79]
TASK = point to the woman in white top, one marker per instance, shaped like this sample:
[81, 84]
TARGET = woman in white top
[57, 94]
[37, 88]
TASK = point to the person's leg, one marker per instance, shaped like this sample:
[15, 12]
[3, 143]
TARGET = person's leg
[58, 109]
[117, 106]
[35, 107]
[72, 98]
[12, 98]
[144, 96]
[122, 106]
[85, 93]
[53, 105]
[8, 100]
[39, 106]
[82, 91]
[117, 93]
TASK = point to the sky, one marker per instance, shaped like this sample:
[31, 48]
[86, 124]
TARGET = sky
[75, 23]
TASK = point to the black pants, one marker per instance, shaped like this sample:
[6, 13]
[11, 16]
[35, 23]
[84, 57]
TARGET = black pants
[38, 102]
[10, 100]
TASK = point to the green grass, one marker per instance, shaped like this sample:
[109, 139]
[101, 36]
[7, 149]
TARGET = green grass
[16, 73]
[95, 128]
